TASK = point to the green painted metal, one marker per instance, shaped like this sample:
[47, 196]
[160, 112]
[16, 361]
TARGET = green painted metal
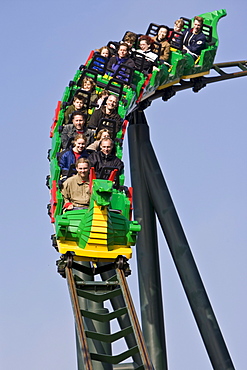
[76, 225]
[114, 359]
[208, 54]
[94, 296]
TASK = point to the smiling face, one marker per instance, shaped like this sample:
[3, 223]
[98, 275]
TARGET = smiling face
[87, 85]
[111, 102]
[83, 170]
[197, 26]
[105, 53]
[177, 28]
[162, 33]
[122, 51]
[78, 121]
[106, 146]
[78, 104]
[144, 45]
[79, 145]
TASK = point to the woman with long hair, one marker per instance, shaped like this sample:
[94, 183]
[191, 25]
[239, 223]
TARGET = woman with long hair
[70, 156]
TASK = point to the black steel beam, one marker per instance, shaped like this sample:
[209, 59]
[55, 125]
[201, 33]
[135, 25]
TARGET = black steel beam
[147, 259]
[151, 181]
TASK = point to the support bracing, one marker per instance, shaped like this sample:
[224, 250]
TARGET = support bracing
[145, 172]
[93, 324]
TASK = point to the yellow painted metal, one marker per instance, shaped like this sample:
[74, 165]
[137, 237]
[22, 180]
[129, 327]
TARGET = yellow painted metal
[96, 229]
[195, 75]
[168, 84]
[97, 236]
[96, 254]
[94, 243]
[96, 248]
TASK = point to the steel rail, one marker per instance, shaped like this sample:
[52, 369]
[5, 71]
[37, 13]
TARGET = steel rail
[134, 320]
[207, 80]
[78, 320]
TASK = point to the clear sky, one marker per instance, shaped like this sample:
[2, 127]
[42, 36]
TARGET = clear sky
[200, 141]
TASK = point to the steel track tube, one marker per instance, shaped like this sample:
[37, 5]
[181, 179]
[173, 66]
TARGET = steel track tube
[96, 346]
[123, 320]
[147, 259]
[83, 355]
[181, 253]
[83, 304]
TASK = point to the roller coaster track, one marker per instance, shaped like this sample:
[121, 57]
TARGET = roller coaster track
[78, 320]
[200, 82]
[93, 322]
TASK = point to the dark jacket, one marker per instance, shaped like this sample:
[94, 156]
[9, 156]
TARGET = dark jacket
[69, 132]
[165, 48]
[68, 158]
[101, 113]
[194, 42]
[115, 62]
[98, 160]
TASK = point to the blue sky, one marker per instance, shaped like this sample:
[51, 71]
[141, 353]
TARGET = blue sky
[200, 141]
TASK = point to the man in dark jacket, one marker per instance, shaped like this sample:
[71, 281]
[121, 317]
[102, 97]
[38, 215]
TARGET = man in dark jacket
[109, 111]
[122, 57]
[194, 39]
[76, 127]
[105, 158]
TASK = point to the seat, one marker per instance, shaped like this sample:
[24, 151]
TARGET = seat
[116, 86]
[176, 40]
[207, 30]
[152, 29]
[109, 124]
[113, 45]
[110, 173]
[124, 74]
[157, 48]
[187, 22]
[88, 73]
[99, 64]
[141, 64]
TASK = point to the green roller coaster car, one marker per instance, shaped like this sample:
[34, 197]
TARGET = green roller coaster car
[101, 232]
[104, 230]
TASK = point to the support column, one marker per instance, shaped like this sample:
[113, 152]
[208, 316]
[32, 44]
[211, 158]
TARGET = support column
[179, 248]
[83, 305]
[147, 258]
